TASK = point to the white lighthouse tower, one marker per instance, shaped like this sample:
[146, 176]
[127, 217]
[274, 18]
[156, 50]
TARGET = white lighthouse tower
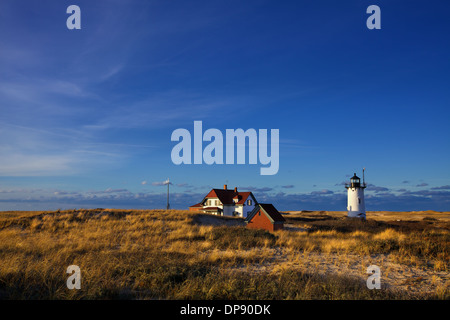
[355, 197]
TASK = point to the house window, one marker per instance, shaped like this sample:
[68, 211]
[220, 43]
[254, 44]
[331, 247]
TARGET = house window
[249, 202]
[359, 200]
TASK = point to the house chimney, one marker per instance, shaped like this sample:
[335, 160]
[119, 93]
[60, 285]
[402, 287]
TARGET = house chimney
[225, 187]
[235, 189]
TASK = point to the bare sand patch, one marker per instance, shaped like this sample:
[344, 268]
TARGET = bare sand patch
[415, 281]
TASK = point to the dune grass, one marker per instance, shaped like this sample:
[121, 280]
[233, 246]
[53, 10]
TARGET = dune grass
[165, 254]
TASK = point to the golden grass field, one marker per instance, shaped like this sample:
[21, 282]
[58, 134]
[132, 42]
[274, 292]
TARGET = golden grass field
[174, 254]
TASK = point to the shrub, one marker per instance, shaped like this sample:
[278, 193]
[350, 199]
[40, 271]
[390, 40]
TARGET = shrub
[240, 238]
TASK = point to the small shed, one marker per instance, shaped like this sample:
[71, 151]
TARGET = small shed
[265, 216]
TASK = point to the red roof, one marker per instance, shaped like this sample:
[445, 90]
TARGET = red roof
[242, 197]
[227, 196]
[197, 205]
[272, 212]
[269, 210]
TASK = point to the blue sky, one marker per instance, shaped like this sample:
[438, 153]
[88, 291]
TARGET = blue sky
[87, 115]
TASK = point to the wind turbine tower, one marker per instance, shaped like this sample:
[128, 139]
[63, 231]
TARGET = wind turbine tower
[168, 184]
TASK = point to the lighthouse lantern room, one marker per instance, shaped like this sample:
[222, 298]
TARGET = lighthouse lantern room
[355, 197]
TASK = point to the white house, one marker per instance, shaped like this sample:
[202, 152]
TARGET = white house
[226, 202]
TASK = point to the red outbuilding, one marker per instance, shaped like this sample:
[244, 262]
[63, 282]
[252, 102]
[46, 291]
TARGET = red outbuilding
[265, 217]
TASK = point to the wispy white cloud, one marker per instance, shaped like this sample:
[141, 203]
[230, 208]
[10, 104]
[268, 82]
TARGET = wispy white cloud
[28, 151]
[111, 72]
[322, 192]
[423, 184]
[124, 198]
[165, 109]
[29, 165]
[161, 183]
[109, 190]
[446, 187]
